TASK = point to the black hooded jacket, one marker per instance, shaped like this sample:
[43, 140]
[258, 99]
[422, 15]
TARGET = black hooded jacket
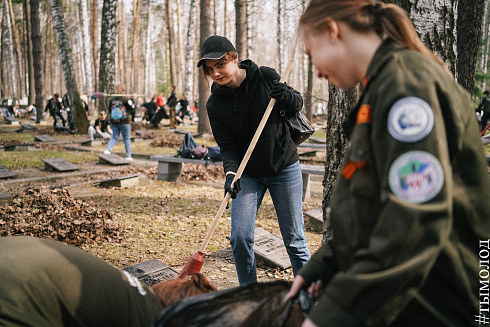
[235, 113]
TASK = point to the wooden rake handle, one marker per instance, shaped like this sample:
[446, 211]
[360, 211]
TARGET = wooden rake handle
[245, 159]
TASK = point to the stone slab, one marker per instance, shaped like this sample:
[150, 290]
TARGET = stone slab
[6, 173]
[137, 139]
[17, 147]
[152, 271]
[96, 142]
[6, 198]
[59, 164]
[315, 218]
[141, 132]
[123, 181]
[271, 249]
[112, 159]
[12, 121]
[43, 138]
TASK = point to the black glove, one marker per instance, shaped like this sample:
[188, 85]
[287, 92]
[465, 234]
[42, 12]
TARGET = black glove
[280, 92]
[232, 190]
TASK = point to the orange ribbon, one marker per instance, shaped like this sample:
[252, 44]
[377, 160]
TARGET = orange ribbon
[364, 114]
[351, 167]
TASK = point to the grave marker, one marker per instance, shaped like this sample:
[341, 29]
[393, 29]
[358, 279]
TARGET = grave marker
[141, 132]
[112, 159]
[96, 142]
[17, 147]
[6, 173]
[151, 272]
[58, 164]
[315, 218]
[137, 139]
[43, 138]
[12, 121]
[271, 249]
[123, 181]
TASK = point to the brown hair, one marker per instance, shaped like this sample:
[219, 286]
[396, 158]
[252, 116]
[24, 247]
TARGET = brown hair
[229, 56]
[174, 290]
[385, 19]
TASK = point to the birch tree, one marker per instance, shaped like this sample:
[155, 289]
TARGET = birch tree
[80, 120]
[241, 28]
[30, 67]
[10, 49]
[87, 58]
[95, 38]
[149, 49]
[108, 47]
[134, 52]
[189, 58]
[171, 42]
[203, 125]
[37, 63]
[16, 50]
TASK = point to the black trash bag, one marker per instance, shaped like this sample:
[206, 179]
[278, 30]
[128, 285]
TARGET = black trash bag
[214, 154]
[188, 144]
[254, 305]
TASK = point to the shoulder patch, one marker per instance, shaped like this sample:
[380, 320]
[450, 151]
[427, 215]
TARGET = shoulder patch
[410, 119]
[416, 177]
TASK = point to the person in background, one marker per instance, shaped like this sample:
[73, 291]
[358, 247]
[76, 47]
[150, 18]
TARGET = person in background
[485, 107]
[407, 216]
[119, 108]
[184, 111]
[171, 103]
[54, 107]
[101, 128]
[151, 109]
[237, 103]
[84, 100]
[13, 111]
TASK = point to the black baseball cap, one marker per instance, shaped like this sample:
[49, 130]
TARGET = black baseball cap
[215, 47]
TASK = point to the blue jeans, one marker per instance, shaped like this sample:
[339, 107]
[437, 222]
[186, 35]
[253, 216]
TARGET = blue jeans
[285, 189]
[125, 130]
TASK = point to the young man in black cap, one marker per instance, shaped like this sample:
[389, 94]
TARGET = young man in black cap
[240, 94]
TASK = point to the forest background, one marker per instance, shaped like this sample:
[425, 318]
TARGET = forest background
[88, 46]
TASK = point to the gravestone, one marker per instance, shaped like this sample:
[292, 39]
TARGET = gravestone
[315, 218]
[5, 198]
[123, 181]
[95, 142]
[17, 147]
[112, 159]
[43, 138]
[12, 121]
[59, 164]
[151, 272]
[141, 132]
[26, 127]
[135, 139]
[6, 173]
[271, 249]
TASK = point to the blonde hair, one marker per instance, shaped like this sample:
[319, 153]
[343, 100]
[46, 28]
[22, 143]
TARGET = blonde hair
[385, 19]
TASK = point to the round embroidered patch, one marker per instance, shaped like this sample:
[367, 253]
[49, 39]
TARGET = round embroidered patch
[410, 119]
[416, 177]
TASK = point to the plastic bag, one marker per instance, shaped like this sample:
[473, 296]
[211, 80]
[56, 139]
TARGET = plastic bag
[254, 305]
[214, 154]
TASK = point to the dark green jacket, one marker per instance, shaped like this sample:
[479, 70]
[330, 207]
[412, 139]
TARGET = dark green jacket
[410, 206]
[46, 283]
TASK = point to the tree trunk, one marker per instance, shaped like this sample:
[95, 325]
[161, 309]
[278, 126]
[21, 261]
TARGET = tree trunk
[340, 102]
[171, 42]
[134, 53]
[309, 93]
[108, 48]
[180, 48]
[30, 67]
[87, 59]
[80, 120]
[16, 48]
[469, 31]
[95, 38]
[189, 59]
[435, 22]
[279, 36]
[10, 50]
[149, 48]
[124, 45]
[37, 63]
[241, 28]
[205, 28]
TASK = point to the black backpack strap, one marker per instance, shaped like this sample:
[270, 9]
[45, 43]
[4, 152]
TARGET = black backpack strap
[262, 78]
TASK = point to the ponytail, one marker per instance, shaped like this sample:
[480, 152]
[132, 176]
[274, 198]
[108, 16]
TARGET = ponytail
[386, 19]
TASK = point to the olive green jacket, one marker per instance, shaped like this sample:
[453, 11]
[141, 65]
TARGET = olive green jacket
[410, 205]
[46, 283]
